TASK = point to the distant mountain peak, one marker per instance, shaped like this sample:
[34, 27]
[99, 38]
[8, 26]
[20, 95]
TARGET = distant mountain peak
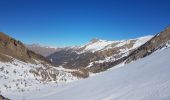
[42, 50]
[94, 40]
[34, 44]
[40, 45]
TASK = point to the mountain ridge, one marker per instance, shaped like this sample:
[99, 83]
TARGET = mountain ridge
[97, 50]
[159, 41]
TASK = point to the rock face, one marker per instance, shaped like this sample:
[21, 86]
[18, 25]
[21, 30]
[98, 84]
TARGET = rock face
[42, 50]
[96, 52]
[161, 40]
[16, 49]
[3, 98]
[11, 47]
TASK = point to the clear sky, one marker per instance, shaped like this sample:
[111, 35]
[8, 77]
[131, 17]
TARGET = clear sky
[75, 22]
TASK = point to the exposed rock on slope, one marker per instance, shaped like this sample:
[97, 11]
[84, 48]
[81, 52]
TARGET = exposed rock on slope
[3, 98]
[159, 41]
[16, 49]
[23, 70]
[11, 49]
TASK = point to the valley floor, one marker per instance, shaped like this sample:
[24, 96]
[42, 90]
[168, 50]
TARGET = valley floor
[144, 79]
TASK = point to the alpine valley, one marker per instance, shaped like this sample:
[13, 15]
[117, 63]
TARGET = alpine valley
[134, 69]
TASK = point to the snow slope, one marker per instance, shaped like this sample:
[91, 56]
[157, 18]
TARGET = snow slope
[16, 76]
[144, 79]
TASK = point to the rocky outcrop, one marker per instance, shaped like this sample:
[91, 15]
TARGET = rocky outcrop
[3, 98]
[9, 47]
[159, 41]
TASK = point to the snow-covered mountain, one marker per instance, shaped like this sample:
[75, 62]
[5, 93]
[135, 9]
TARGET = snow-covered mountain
[144, 79]
[159, 41]
[96, 45]
[100, 55]
[96, 51]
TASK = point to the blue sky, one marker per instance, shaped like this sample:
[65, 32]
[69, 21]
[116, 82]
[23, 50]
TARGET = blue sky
[75, 22]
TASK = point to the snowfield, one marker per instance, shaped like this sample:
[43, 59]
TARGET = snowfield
[144, 79]
[16, 77]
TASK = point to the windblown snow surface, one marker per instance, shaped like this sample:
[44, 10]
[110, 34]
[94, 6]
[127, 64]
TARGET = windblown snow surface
[144, 79]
